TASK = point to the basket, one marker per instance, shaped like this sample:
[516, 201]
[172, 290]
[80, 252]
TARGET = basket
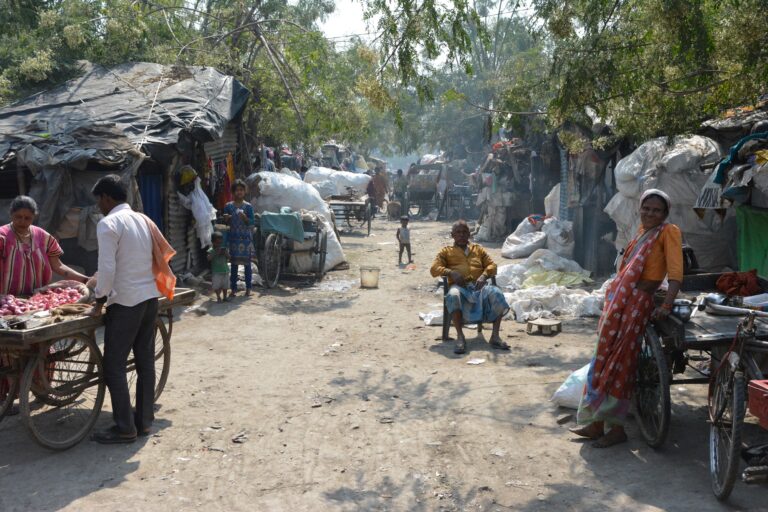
[84, 290]
[758, 401]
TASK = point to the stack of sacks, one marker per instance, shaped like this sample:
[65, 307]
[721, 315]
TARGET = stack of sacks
[342, 179]
[676, 169]
[272, 191]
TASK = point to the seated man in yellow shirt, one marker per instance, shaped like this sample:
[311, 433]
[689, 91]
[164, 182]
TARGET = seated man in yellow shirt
[468, 267]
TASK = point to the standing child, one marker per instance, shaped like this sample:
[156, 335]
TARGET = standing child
[404, 237]
[218, 255]
[240, 216]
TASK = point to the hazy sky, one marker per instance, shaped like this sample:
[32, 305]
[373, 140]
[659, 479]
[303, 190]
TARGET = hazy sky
[347, 19]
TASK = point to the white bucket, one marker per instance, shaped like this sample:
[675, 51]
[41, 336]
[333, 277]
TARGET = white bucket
[369, 277]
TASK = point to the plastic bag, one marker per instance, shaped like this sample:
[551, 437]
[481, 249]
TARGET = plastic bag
[432, 318]
[548, 260]
[326, 188]
[569, 393]
[202, 210]
[552, 202]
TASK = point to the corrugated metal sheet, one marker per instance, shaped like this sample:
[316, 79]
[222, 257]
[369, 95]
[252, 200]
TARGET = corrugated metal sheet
[217, 150]
[151, 189]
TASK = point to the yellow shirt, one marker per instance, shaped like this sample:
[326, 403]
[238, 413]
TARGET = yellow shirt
[666, 256]
[472, 264]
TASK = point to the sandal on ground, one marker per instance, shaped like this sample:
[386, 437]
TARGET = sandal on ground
[461, 346]
[499, 344]
[113, 436]
[610, 439]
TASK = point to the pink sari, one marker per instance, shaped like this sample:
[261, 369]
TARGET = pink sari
[613, 370]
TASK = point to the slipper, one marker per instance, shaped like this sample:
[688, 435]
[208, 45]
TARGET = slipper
[609, 440]
[499, 344]
[461, 347]
[113, 436]
[583, 432]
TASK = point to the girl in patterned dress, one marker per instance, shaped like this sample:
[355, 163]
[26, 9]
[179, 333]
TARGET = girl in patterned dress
[240, 217]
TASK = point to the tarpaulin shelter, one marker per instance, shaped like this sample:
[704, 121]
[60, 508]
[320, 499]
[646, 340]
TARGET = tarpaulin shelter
[140, 120]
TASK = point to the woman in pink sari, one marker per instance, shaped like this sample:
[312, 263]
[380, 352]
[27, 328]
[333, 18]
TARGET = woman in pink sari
[29, 256]
[656, 252]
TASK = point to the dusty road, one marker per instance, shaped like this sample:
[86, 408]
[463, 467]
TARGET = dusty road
[348, 403]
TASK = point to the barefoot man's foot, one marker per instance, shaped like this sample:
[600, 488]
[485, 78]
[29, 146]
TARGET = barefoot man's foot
[613, 437]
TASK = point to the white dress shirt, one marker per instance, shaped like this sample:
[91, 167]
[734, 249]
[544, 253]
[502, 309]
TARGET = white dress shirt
[125, 258]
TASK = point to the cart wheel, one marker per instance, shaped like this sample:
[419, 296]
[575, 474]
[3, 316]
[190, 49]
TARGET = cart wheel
[162, 363]
[272, 259]
[322, 253]
[726, 410]
[9, 385]
[652, 402]
[72, 375]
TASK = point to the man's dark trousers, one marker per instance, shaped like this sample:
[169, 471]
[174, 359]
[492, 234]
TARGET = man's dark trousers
[125, 329]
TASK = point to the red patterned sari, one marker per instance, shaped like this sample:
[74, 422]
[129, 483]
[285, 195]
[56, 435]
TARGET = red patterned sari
[612, 372]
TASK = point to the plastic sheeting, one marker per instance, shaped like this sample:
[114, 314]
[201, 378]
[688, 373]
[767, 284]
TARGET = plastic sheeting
[149, 103]
[753, 239]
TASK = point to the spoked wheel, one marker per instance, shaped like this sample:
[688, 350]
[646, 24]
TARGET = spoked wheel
[272, 259]
[162, 362]
[651, 397]
[9, 384]
[726, 409]
[62, 392]
[322, 253]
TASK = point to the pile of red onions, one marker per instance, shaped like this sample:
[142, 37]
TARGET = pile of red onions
[41, 301]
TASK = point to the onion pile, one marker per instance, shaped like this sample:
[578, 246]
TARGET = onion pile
[41, 301]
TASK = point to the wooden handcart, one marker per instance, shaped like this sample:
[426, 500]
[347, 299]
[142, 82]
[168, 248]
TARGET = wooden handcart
[56, 370]
[353, 209]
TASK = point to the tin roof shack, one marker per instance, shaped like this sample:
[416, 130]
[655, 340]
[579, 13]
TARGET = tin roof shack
[739, 182]
[141, 120]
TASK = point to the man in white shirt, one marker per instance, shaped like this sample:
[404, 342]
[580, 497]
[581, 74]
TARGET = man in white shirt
[126, 284]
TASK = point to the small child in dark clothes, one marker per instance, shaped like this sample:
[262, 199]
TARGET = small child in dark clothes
[218, 255]
[404, 237]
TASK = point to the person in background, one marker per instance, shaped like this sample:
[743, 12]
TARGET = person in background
[133, 261]
[218, 255]
[401, 189]
[380, 187]
[404, 239]
[29, 256]
[240, 216]
[470, 298]
[655, 252]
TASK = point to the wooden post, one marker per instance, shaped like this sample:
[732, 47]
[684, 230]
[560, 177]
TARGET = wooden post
[21, 182]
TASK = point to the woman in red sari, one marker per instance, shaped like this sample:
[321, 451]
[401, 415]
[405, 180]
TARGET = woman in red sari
[654, 253]
[29, 256]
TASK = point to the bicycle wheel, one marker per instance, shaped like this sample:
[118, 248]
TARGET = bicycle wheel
[322, 255]
[726, 409]
[651, 397]
[272, 260]
[9, 384]
[162, 363]
[72, 375]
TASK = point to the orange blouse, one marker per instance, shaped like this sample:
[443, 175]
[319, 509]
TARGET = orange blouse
[666, 257]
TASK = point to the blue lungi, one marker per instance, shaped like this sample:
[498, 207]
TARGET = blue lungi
[484, 305]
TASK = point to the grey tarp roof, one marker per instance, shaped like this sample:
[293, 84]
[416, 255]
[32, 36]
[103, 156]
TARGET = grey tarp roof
[151, 104]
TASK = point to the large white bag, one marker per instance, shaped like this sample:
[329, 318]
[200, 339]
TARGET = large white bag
[559, 237]
[569, 393]
[342, 179]
[524, 245]
[326, 188]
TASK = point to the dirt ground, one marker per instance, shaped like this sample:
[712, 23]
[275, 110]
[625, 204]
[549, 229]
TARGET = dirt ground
[347, 402]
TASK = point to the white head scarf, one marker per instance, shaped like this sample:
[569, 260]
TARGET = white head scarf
[659, 193]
